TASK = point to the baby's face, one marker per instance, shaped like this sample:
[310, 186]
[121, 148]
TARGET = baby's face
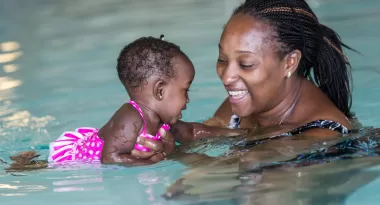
[176, 92]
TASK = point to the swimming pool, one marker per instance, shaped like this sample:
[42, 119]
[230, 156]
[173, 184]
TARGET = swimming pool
[57, 72]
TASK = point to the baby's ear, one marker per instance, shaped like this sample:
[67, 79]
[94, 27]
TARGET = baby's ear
[159, 89]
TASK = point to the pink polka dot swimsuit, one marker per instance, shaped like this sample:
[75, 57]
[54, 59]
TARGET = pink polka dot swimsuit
[84, 144]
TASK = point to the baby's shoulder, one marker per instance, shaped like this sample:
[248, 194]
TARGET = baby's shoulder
[125, 120]
[127, 112]
[126, 116]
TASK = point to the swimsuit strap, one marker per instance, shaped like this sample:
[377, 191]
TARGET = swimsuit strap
[137, 107]
[325, 124]
[234, 122]
[143, 131]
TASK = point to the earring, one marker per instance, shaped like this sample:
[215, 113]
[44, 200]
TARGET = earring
[162, 37]
[289, 74]
[160, 96]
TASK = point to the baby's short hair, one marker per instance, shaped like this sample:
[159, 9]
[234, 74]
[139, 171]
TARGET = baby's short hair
[143, 58]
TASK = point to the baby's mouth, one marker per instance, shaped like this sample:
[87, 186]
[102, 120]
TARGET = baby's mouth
[180, 114]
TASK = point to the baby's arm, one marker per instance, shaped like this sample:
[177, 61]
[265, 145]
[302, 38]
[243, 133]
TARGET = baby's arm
[192, 131]
[120, 136]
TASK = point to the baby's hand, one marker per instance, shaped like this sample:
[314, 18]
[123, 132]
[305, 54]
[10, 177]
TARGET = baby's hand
[159, 149]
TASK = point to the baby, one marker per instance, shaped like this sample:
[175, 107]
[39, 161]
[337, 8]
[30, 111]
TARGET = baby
[156, 75]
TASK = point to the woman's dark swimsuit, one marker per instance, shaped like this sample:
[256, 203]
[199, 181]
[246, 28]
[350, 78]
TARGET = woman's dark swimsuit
[325, 124]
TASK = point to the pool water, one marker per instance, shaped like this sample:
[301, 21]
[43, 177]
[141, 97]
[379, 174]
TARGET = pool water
[57, 72]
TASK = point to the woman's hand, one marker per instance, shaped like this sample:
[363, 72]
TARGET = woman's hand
[159, 149]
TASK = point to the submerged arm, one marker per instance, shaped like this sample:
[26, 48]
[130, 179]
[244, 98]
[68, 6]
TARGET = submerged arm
[271, 151]
[289, 148]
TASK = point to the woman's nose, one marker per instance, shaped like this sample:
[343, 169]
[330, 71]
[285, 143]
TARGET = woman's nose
[229, 75]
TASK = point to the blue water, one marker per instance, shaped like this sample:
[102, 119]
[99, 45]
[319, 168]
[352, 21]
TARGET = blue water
[57, 72]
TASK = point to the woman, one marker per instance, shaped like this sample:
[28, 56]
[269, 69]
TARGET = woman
[287, 79]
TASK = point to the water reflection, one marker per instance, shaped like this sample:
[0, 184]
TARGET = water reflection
[16, 188]
[10, 68]
[24, 118]
[78, 181]
[16, 122]
[149, 179]
[9, 46]
[9, 57]
[8, 54]
[76, 188]
[9, 83]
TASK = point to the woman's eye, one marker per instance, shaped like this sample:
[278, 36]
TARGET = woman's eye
[245, 66]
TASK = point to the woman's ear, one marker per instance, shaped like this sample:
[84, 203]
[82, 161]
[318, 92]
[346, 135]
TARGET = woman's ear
[291, 62]
[159, 89]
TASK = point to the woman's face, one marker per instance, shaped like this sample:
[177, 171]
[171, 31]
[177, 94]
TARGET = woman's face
[250, 68]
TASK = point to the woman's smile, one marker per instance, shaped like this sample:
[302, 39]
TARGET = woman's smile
[237, 96]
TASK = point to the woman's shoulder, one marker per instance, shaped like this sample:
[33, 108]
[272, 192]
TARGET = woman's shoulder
[315, 106]
[321, 120]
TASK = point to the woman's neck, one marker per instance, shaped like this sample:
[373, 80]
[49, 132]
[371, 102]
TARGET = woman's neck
[278, 115]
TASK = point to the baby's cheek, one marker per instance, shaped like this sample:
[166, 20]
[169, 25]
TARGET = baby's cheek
[177, 102]
[173, 99]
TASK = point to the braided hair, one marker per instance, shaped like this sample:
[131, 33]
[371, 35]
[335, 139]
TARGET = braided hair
[297, 27]
[146, 57]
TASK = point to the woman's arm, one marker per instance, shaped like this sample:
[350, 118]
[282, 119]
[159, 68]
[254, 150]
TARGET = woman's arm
[192, 131]
[213, 127]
